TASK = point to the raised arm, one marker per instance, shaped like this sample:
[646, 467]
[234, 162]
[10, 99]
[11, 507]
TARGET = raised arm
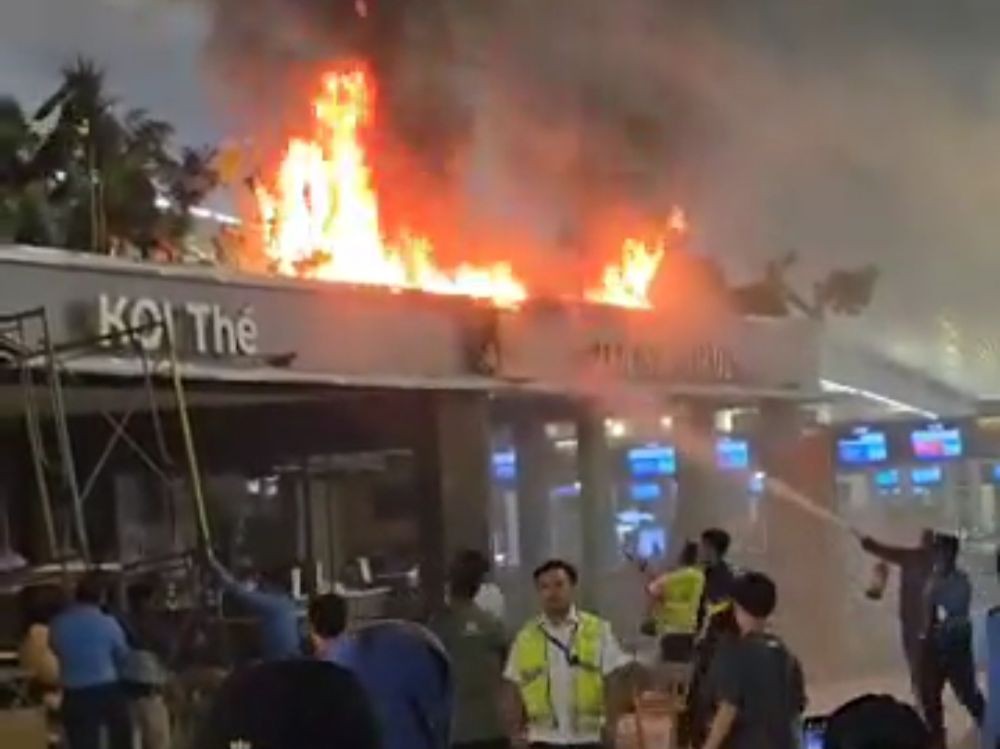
[899, 555]
[253, 599]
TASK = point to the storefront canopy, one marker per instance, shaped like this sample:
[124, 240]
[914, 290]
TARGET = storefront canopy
[231, 327]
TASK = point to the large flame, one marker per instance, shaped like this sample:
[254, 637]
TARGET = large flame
[321, 219]
[627, 283]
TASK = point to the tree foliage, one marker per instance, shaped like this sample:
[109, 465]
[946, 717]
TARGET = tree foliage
[840, 292]
[81, 174]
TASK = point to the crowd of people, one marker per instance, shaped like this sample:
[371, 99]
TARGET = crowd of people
[560, 681]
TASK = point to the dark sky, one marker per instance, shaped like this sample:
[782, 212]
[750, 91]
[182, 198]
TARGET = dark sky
[850, 130]
[150, 51]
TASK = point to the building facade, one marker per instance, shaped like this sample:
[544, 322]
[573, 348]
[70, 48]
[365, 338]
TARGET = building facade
[332, 422]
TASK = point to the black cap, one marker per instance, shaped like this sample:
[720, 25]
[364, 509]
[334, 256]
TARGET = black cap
[300, 704]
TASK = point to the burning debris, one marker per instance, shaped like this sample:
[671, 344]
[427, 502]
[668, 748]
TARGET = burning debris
[321, 218]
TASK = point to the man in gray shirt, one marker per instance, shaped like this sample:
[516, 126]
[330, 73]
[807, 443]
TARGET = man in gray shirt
[948, 640]
[754, 682]
[474, 640]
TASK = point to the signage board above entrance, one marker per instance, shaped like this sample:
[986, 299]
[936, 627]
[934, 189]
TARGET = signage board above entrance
[229, 321]
[207, 328]
[645, 362]
[322, 332]
[598, 346]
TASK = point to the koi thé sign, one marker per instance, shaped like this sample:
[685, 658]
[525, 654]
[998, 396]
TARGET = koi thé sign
[198, 327]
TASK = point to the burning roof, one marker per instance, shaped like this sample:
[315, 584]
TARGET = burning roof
[321, 218]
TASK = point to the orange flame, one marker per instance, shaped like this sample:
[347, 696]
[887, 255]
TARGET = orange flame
[321, 220]
[627, 283]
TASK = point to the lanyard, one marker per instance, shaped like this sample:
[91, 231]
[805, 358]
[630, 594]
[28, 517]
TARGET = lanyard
[572, 660]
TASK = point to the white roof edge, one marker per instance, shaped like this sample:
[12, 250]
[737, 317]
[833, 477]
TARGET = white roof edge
[264, 375]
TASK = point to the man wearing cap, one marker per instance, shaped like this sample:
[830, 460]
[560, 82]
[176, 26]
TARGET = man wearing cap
[558, 668]
[755, 683]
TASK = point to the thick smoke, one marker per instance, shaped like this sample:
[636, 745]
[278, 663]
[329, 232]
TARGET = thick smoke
[847, 131]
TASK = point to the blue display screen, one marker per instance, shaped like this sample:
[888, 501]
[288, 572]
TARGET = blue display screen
[887, 479]
[732, 454]
[645, 492]
[505, 465]
[652, 460]
[936, 442]
[926, 476]
[863, 447]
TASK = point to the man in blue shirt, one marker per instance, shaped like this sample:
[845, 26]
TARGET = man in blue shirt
[401, 666]
[948, 640]
[91, 649]
[276, 612]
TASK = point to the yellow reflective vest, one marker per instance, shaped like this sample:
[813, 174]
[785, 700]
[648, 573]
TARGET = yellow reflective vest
[531, 659]
[680, 601]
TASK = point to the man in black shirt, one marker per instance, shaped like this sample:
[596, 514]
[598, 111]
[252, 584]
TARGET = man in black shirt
[713, 549]
[755, 683]
[717, 625]
[915, 566]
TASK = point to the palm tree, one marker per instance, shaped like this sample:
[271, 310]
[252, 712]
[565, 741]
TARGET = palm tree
[186, 181]
[113, 181]
[78, 147]
[25, 216]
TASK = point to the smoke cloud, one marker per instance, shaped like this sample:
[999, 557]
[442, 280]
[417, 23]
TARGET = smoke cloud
[847, 131]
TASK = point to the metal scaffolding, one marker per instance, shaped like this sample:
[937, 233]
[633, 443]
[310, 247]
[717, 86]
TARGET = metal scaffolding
[42, 368]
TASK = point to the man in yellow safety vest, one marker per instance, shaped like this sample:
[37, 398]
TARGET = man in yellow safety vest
[557, 669]
[677, 605]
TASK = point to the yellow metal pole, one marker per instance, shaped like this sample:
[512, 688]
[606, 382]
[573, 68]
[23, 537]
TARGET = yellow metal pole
[204, 532]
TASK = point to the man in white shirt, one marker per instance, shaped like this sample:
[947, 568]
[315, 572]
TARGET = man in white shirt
[558, 668]
[489, 598]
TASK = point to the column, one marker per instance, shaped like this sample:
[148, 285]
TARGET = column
[464, 447]
[699, 504]
[597, 505]
[808, 556]
[534, 517]
[453, 455]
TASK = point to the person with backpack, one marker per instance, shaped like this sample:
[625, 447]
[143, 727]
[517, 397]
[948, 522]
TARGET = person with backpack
[755, 683]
